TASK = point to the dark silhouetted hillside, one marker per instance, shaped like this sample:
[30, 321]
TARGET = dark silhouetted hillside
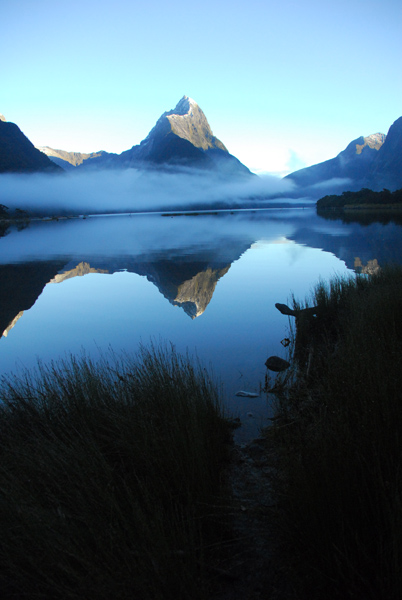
[19, 155]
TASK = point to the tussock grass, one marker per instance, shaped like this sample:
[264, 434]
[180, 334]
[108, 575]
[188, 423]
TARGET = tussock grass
[111, 479]
[339, 446]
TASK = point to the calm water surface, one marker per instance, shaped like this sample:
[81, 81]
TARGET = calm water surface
[206, 283]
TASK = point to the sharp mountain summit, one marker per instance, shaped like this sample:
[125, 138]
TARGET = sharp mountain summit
[182, 139]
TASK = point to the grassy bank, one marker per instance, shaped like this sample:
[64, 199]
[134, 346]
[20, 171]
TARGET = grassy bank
[111, 480]
[338, 442]
[113, 474]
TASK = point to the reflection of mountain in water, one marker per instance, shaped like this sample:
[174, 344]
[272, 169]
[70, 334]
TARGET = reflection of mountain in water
[13, 322]
[195, 295]
[83, 268]
[349, 241]
[185, 273]
[187, 281]
[188, 284]
[20, 286]
[371, 268]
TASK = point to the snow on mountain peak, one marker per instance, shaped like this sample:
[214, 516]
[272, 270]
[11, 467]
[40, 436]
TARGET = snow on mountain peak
[184, 106]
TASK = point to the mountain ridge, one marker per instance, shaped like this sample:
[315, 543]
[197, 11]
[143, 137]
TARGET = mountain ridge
[61, 157]
[181, 137]
[386, 171]
[189, 122]
[374, 161]
[19, 155]
[350, 163]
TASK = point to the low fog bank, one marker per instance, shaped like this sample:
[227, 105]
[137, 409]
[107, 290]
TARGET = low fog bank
[148, 237]
[136, 191]
[123, 242]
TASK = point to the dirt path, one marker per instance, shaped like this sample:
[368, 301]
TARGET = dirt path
[247, 574]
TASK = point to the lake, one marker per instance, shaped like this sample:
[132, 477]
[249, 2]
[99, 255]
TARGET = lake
[207, 283]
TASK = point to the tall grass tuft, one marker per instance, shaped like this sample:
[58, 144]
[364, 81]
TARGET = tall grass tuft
[111, 479]
[339, 447]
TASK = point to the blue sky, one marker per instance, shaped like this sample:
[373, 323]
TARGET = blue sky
[283, 84]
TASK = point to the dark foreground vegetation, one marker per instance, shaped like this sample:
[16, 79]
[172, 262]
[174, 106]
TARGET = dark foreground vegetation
[365, 198]
[111, 480]
[114, 479]
[338, 445]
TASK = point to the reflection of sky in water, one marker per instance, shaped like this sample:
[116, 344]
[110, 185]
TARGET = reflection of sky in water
[240, 327]
[237, 332]
[117, 235]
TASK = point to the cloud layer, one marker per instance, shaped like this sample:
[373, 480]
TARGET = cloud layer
[134, 191]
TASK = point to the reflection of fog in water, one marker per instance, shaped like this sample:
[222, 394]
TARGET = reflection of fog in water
[121, 280]
[145, 236]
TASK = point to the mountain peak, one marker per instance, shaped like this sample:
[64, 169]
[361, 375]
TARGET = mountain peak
[181, 138]
[373, 141]
[184, 106]
[387, 168]
[186, 121]
[373, 161]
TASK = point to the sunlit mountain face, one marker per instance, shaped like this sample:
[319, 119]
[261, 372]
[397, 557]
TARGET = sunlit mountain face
[181, 137]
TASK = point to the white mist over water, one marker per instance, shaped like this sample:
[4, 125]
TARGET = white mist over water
[132, 190]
